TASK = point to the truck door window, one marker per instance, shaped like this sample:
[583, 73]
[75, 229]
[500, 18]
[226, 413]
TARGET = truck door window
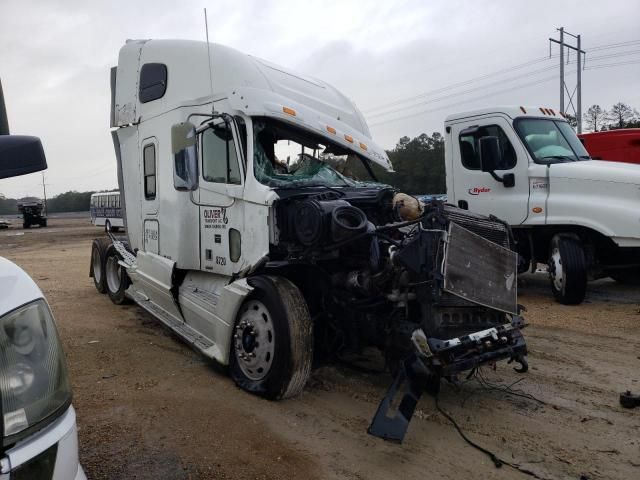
[469, 147]
[149, 154]
[219, 156]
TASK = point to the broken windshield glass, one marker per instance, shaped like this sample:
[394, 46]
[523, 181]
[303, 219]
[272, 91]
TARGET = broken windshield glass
[287, 157]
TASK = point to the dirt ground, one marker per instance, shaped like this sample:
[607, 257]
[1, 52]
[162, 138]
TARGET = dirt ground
[149, 407]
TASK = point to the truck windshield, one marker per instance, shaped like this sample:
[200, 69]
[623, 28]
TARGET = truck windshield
[550, 141]
[288, 157]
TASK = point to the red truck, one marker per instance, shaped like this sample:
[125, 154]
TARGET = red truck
[616, 145]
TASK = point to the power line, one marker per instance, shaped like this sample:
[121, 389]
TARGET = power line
[534, 61]
[516, 87]
[488, 85]
[464, 92]
[491, 94]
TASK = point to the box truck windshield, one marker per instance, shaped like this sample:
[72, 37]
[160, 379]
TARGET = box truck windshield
[550, 141]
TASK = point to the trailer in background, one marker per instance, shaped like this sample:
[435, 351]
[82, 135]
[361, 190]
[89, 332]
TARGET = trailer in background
[614, 145]
[106, 211]
[32, 214]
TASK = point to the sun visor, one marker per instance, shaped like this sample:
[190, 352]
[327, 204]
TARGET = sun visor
[261, 102]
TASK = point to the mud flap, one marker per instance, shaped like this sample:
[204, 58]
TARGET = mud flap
[412, 379]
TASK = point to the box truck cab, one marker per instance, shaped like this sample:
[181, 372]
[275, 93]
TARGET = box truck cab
[38, 432]
[246, 238]
[527, 166]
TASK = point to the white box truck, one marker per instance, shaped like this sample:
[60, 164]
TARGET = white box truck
[244, 238]
[39, 438]
[527, 166]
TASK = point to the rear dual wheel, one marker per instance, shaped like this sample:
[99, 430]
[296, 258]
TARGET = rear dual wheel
[272, 342]
[108, 275]
[116, 278]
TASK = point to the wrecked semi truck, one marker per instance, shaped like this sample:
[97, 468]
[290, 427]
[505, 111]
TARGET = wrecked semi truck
[244, 238]
[527, 166]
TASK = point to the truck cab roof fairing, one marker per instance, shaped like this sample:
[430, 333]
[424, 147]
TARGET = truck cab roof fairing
[253, 86]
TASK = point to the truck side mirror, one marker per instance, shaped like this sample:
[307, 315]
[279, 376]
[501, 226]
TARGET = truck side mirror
[185, 159]
[490, 154]
[21, 154]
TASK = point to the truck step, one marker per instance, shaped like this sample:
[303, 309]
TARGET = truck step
[187, 333]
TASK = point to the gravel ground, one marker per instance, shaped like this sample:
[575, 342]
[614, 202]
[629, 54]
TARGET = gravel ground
[149, 407]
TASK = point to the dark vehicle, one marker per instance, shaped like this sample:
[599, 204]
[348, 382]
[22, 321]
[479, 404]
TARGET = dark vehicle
[32, 214]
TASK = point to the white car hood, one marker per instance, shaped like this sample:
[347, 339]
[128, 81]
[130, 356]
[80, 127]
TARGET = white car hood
[597, 170]
[16, 287]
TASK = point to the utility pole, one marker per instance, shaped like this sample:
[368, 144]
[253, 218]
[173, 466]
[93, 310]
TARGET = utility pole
[44, 193]
[577, 109]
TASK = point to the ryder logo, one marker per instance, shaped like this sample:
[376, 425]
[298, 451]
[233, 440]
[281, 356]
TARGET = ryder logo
[478, 190]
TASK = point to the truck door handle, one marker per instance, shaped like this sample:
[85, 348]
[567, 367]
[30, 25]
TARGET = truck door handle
[463, 204]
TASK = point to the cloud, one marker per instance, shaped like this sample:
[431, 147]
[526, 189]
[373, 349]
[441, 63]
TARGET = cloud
[56, 56]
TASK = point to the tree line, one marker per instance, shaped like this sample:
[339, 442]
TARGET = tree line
[65, 202]
[618, 116]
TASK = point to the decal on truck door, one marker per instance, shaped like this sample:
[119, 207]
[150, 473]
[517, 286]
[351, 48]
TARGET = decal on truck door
[479, 190]
[215, 218]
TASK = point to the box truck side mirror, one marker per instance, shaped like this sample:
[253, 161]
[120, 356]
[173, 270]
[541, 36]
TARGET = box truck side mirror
[185, 158]
[20, 154]
[490, 154]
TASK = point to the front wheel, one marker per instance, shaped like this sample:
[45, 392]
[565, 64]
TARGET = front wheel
[117, 280]
[567, 270]
[272, 343]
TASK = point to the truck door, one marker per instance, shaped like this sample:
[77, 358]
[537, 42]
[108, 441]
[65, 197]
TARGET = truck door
[220, 200]
[479, 191]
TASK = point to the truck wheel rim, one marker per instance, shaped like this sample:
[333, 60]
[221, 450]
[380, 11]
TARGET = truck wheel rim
[97, 265]
[254, 340]
[557, 275]
[114, 274]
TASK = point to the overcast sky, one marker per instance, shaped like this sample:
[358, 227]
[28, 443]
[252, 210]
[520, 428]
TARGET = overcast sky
[55, 57]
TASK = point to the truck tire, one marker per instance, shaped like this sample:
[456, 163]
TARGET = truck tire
[97, 265]
[272, 343]
[116, 278]
[627, 277]
[567, 270]
[26, 225]
[43, 223]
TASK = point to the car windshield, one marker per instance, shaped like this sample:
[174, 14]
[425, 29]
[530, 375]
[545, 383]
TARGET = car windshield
[288, 157]
[550, 141]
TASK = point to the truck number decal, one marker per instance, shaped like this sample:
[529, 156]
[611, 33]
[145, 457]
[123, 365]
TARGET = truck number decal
[221, 261]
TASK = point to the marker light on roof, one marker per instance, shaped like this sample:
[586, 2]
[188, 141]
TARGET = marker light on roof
[348, 138]
[289, 111]
[523, 110]
[331, 130]
[542, 110]
[363, 146]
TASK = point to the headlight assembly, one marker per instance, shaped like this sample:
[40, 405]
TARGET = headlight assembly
[34, 385]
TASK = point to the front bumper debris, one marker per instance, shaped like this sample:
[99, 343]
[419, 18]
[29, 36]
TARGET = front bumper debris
[433, 359]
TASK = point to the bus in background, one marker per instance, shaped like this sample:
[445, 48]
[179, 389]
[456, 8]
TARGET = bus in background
[615, 145]
[106, 211]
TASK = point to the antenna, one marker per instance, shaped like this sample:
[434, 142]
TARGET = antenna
[206, 28]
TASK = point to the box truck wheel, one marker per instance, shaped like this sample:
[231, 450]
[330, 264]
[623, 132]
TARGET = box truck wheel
[116, 278]
[567, 270]
[272, 340]
[627, 277]
[97, 265]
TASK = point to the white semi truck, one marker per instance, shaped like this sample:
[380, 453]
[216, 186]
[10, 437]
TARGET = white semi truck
[527, 166]
[39, 438]
[244, 238]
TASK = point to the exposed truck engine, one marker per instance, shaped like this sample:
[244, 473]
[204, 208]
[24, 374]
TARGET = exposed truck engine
[250, 236]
